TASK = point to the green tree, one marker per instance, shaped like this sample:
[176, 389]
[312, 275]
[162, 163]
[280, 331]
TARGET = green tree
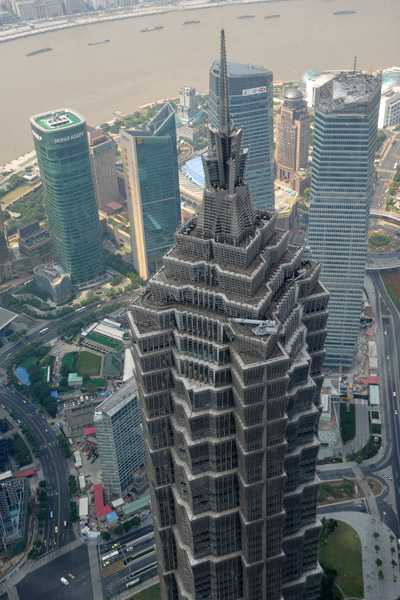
[378, 562]
[43, 483]
[106, 536]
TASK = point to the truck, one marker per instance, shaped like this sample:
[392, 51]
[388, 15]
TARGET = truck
[64, 581]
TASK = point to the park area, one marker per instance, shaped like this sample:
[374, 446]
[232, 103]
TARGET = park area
[151, 593]
[391, 280]
[340, 556]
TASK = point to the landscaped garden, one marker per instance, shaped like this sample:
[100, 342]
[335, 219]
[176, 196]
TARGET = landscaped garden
[391, 280]
[382, 241]
[338, 491]
[347, 422]
[340, 556]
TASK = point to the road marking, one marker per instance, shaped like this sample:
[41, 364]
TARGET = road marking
[387, 475]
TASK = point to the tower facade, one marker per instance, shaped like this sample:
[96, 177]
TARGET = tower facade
[345, 128]
[152, 185]
[63, 156]
[228, 350]
[251, 102]
[119, 438]
[103, 164]
[293, 134]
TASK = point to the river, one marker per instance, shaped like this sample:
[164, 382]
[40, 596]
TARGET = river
[136, 68]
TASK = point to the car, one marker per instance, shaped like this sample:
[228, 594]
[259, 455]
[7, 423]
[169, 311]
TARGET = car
[385, 332]
[394, 394]
[107, 562]
[19, 422]
[115, 545]
[395, 412]
[70, 575]
[56, 529]
[51, 514]
[387, 357]
[2, 406]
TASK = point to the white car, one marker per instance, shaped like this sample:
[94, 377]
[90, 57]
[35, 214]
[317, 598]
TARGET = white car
[387, 357]
[395, 412]
[394, 394]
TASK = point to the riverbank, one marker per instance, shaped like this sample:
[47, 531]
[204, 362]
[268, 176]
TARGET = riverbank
[56, 24]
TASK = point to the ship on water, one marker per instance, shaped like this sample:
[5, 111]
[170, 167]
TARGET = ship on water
[246, 17]
[98, 42]
[190, 22]
[152, 28]
[34, 52]
[272, 16]
[344, 12]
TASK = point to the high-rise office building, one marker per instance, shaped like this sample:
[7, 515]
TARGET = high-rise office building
[187, 106]
[64, 161]
[251, 101]
[152, 186]
[14, 514]
[101, 150]
[119, 439]
[293, 135]
[346, 115]
[228, 351]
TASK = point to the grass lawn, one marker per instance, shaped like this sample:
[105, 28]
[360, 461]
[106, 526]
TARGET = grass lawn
[104, 341]
[15, 193]
[152, 593]
[342, 552]
[347, 422]
[391, 280]
[27, 362]
[337, 491]
[69, 359]
[88, 364]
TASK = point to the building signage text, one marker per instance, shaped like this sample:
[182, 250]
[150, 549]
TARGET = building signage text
[251, 91]
[67, 138]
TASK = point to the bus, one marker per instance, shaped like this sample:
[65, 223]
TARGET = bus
[133, 582]
[109, 555]
[43, 331]
[79, 309]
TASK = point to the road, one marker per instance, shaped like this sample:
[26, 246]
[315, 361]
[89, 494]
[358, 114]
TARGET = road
[54, 468]
[385, 171]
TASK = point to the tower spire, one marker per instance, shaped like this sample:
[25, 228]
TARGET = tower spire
[224, 116]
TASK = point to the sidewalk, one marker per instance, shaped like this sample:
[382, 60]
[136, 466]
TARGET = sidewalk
[366, 526]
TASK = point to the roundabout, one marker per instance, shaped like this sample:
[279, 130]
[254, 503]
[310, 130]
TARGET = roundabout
[382, 242]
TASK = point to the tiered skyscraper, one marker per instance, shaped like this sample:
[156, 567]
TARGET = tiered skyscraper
[152, 188]
[346, 116]
[251, 101]
[228, 350]
[62, 150]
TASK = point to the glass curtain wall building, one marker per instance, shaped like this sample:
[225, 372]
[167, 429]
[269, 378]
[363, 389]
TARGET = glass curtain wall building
[251, 102]
[152, 186]
[346, 115]
[120, 441]
[64, 161]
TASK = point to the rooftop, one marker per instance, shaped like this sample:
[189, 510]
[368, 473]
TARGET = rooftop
[239, 70]
[348, 90]
[117, 400]
[53, 120]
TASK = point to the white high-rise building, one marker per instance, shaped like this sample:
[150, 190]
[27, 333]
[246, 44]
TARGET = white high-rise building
[346, 117]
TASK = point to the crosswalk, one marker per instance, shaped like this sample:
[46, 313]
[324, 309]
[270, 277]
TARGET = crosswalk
[387, 475]
[113, 568]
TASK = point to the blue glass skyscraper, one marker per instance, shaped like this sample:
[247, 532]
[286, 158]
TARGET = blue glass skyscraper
[250, 98]
[346, 115]
[152, 184]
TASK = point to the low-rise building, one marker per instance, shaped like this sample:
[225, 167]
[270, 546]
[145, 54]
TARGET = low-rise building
[74, 380]
[36, 243]
[52, 279]
[106, 336]
[79, 417]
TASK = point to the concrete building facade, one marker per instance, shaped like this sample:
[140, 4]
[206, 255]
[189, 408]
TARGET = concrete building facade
[36, 243]
[389, 108]
[345, 129]
[119, 438]
[63, 156]
[152, 182]
[251, 101]
[293, 135]
[228, 351]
